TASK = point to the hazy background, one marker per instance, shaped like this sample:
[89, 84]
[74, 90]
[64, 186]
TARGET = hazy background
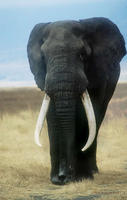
[17, 18]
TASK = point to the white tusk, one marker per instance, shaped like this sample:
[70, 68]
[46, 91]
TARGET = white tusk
[41, 118]
[91, 119]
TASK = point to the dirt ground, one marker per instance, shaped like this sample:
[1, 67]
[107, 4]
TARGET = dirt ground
[25, 168]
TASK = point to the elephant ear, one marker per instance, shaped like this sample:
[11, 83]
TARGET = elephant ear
[35, 57]
[108, 48]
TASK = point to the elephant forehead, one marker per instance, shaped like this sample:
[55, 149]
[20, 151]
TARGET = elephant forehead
[62, 45]
[61, 38]
[61, 33]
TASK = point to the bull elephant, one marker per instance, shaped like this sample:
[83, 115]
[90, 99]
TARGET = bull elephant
[77, 65]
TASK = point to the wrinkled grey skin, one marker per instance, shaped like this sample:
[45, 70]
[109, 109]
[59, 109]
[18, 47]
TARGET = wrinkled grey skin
[66, 58]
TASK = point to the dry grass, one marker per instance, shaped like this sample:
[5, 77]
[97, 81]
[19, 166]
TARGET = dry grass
[25, 168]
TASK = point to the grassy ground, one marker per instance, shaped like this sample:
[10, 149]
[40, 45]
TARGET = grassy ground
[25, 168]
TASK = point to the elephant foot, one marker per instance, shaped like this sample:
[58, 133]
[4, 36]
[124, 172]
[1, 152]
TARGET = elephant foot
[85, 175]
[60, 180]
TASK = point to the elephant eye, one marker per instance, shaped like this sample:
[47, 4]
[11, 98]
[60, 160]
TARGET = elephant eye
[83, 56]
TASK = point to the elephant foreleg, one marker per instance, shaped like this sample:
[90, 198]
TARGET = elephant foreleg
[86, 163]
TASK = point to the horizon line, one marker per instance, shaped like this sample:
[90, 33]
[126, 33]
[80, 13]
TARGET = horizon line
[22, 84]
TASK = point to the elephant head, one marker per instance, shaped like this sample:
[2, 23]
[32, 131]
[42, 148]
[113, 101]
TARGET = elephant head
[76, 63]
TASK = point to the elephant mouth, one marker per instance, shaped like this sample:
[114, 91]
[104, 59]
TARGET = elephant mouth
[89, 113]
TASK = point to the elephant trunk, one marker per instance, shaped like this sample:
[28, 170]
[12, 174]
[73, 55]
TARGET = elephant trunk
[65, 112]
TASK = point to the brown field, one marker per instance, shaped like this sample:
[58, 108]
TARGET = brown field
[25, 168]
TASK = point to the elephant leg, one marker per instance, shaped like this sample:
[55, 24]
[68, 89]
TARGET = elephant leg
[88, 158]
[91, 156]
[86, 163]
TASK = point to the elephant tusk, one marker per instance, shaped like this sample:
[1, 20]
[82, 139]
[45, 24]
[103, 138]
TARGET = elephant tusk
[91, 119]
[41, 118]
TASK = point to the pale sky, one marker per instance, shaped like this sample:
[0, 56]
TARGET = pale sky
[18, 17]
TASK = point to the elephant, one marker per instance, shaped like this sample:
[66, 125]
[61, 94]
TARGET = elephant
[77, 65]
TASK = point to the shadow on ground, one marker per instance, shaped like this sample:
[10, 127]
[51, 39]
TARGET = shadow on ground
[90, 197]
